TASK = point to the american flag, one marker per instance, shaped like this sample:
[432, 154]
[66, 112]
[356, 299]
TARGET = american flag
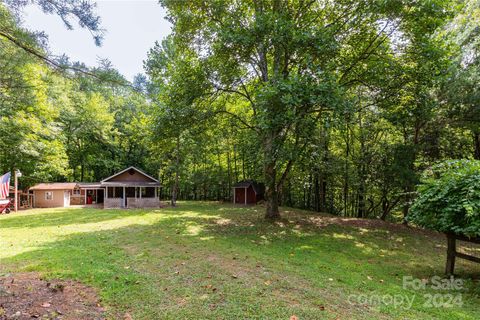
[5, 185]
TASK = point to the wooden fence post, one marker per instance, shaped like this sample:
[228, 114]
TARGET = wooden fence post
[451, 253]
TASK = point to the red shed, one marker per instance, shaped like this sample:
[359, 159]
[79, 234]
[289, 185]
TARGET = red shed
[248, 192]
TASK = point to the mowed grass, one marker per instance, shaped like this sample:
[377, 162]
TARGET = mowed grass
[218, 261]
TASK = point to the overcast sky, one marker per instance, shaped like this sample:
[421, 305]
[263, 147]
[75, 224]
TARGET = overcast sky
[132, 27]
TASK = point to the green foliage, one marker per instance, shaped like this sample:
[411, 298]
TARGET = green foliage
[57, 128]
[67, 10]
[449, 198]
[29, 135]
[337, 106]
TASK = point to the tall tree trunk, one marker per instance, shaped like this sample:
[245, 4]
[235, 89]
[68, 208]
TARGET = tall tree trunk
[229, 170]
[316, 192]
[410, 187]
[362, 169]
[288, 195]
[361, 199]
[235, 170]
[270, 172]
[309, 194]
[323, 194]
[204, 180]
[385, 209]
[408, 198]
[177, 168]
[476, 143]
[271, 194]
[220, 188]
[243, 167]
[346, 177]
[322, 207]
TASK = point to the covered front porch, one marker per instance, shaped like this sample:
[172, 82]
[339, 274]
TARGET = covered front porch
[131, 188]
[128, 196]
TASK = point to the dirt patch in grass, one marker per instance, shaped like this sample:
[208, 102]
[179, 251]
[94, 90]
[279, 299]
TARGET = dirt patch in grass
[324, 220]
[370, 224]
[27, 296]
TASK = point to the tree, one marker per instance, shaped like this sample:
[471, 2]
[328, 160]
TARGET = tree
[449, 198]
[179, 77]
[460, 89]
[56, 128]
[289, 61]
[28, 132]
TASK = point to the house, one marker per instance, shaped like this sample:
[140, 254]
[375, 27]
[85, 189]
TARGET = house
[248, 192]
[51, 195]
[88, 194]
[129, 188]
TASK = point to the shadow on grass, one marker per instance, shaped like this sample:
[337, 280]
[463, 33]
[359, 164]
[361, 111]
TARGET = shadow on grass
[289, 248]
[60, 217]
[404, 252]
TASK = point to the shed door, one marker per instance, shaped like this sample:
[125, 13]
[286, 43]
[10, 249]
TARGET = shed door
[240, 195]
[66, 198]
[251, 195]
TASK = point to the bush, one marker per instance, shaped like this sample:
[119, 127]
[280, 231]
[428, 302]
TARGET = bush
[449, 198]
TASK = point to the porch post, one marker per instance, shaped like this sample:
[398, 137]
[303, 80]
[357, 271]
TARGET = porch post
[106, 193]
[234, 189]
[245, 195]
[124, 199]
[155, 192]
[85, 197]
[140, 192]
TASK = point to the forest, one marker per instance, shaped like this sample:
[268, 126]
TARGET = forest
[337, 106]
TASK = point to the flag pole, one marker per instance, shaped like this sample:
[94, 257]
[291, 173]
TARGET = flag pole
[16, 193]
[17, 174]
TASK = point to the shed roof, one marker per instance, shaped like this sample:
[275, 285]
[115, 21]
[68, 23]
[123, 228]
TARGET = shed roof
[259, 188]
[55, 186]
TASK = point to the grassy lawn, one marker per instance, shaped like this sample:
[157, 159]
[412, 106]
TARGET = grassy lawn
[217, 261]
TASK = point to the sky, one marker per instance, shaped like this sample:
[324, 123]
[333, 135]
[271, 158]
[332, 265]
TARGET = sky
[132, 27]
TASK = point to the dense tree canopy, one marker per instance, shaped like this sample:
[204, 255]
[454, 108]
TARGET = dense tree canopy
[60, 122]
[335, 106]
[291, 65]
[449, 198]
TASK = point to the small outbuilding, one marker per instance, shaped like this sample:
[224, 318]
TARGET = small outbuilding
[248, 192]
[52, 195]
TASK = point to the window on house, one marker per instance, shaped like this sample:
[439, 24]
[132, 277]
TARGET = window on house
[76, 192]
[48, 195]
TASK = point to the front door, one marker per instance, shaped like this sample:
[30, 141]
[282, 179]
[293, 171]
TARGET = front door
[66, 198]
[129, 193]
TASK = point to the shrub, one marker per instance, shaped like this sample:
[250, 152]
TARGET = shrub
[449, 198]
